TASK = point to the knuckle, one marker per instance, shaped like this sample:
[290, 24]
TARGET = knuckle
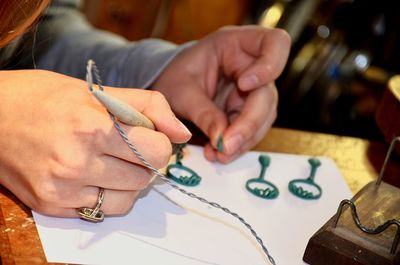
[283, 35]
[88, 129]
[64, 169]
[272, 70]
[45, 195]
[157, 96]
[69, 161]
[95, 137]
[93, 131]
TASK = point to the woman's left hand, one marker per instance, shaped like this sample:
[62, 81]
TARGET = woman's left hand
[224, 84]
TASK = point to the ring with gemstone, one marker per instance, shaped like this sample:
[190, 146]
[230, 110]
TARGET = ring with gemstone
[94, 215]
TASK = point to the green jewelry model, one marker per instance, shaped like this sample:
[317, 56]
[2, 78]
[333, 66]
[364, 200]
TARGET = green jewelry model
[193, 179]
[220, 144]
[307, 188]
[270, 191]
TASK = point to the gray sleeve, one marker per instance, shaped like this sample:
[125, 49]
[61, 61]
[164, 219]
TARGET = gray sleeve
[65, 42]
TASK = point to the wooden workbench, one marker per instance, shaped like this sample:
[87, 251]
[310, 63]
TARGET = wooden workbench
[358, 160]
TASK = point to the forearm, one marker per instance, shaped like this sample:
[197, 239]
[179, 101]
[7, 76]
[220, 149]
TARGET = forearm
[65, 41]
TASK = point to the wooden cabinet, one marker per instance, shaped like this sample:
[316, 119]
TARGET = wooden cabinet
[174, 20]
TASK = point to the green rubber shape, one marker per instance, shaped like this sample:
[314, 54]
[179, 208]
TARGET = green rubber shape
[220, 144]
[191, 179]
[298, 186]
[270, 191]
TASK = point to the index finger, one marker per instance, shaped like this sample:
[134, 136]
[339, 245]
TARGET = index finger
[270, 49]
[259, 106]
[155, 107]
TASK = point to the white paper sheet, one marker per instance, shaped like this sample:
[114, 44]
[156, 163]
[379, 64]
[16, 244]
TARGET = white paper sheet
[167, 227]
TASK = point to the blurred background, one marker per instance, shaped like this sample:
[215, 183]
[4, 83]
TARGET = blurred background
[343, 51]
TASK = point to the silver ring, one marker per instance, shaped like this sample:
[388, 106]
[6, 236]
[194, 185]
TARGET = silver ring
[93, 215]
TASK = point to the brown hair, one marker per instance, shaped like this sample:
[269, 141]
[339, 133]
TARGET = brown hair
[17, 16]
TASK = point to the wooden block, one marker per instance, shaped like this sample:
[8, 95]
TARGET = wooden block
[347, 244]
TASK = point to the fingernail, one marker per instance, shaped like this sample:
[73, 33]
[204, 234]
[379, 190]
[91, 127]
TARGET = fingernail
[232, 144]
[182, 126]
[249, 82]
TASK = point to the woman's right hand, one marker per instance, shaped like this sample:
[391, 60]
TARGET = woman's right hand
[58, 144]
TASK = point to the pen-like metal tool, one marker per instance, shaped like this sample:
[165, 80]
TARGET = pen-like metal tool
[124, 112]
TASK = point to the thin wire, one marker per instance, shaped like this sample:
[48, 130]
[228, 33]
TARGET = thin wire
[33, 46]
[91, 67]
